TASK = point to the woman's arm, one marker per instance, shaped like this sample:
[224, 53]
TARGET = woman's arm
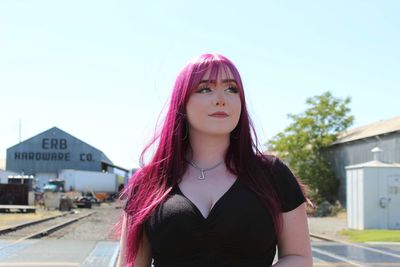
[294, 241]
[143, 258]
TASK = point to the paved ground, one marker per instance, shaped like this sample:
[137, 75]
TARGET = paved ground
[335, 254]
[346, 253]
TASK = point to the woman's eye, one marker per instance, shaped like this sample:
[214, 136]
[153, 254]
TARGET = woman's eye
[203, 90]
[232, 89]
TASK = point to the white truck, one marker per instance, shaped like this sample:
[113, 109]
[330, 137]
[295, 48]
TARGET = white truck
[89, 181]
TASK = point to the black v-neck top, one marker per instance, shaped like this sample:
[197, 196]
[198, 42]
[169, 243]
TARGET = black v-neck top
[238, 231]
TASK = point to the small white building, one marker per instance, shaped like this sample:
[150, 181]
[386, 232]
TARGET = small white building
[373, 194]
[354, 145]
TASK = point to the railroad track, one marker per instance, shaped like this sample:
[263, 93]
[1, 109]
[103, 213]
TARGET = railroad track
[39, 228]
[26, 224]
[359, 254]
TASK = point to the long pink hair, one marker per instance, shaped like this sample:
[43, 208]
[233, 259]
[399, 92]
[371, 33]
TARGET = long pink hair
[150, 185]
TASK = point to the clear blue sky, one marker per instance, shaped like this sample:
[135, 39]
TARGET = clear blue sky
[103, 70]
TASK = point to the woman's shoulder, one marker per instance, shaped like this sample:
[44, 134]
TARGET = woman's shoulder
[289, 188]
[271, 162]
[277, 173]
[276, 167]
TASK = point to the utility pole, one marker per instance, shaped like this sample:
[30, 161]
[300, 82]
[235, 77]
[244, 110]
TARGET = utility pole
[20, 130]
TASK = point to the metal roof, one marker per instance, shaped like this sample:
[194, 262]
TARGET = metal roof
[369, 130]
[374, 164]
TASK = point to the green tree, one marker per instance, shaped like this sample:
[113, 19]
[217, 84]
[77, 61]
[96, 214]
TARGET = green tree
[304, 142]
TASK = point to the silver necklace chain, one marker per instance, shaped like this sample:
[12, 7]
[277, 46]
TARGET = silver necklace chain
[203, 170]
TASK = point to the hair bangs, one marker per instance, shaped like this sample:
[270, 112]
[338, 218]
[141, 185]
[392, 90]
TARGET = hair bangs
[208, 67]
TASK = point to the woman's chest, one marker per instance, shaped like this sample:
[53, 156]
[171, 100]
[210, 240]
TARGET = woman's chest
[238, 223]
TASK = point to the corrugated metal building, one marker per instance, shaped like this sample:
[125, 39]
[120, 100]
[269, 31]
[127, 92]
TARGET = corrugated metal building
[45, 154]
[354, 147]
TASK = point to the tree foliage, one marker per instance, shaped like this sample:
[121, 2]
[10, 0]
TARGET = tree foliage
[303, 143]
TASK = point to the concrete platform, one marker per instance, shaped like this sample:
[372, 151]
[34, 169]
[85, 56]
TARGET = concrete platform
[58, 253]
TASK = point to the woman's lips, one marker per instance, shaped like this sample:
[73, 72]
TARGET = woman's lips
[219, 114]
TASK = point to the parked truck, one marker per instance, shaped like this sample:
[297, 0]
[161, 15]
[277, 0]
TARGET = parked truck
[89, 181]
[54, 196]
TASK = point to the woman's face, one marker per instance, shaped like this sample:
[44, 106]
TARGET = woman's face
[214, 106]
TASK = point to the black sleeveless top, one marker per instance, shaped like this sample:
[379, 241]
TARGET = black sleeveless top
[238, 231]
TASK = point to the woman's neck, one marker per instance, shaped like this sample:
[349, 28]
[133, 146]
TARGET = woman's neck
[208, 150]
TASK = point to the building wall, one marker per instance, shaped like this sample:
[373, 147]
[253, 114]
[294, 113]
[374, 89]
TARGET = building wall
[51, 151]
[359, 151]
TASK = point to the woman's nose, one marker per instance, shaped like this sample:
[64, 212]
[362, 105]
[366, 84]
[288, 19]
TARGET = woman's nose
[220, 99]
[220, 103]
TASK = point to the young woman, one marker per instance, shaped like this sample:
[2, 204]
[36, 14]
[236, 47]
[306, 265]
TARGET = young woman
[209, 197]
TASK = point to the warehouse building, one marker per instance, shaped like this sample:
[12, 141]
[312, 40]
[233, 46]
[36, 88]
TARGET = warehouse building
[354, 147]
[49, 152]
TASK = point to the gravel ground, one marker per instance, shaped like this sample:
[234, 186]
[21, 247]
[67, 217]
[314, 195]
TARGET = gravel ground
[328, 226]
[97, 227]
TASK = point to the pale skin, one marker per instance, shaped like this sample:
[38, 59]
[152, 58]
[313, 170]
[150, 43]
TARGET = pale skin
[209, 139]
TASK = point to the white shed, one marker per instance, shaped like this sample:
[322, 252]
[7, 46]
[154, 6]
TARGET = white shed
[373, 194]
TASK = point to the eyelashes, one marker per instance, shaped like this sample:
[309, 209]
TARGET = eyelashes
[231, 89]
[203, 90]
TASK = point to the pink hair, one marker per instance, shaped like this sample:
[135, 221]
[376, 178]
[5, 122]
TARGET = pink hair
[150, 185]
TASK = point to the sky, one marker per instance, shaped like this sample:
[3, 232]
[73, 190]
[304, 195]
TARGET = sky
[103, 70]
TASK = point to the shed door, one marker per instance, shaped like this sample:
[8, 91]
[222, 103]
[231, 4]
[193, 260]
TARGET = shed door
[394, 201]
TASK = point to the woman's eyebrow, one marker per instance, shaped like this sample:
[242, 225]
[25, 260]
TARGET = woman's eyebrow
[214, 81]
[229, 81]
